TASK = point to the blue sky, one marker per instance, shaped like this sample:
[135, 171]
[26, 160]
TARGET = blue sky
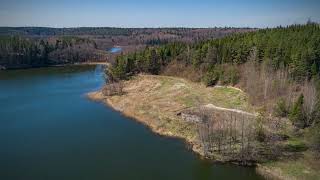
[152, 13]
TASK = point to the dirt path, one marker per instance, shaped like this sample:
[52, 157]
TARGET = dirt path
[211, 106]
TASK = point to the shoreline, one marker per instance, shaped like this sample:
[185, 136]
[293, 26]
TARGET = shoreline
[55, 65]
[141, 102]
[259, 168]
[270, 173]
[98, 97]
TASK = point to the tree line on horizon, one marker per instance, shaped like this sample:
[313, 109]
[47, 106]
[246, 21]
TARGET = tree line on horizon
[106, 31]
[30, 46]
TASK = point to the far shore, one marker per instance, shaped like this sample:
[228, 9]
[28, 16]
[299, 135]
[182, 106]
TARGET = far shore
[57, 65]
[81, 63]
[92, 63]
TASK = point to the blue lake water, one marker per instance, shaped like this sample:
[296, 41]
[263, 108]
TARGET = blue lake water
[50, 130]
[115, 50]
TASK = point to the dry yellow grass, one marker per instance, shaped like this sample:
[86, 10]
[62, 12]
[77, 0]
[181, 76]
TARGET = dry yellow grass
[156, 100]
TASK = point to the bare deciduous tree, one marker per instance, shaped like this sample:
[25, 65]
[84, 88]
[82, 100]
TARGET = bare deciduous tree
[310, 99]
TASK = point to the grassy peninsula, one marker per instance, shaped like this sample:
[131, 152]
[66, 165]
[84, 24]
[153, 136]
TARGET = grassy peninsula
[273, 122]
[156, 102]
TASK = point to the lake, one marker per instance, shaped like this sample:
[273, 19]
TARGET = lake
[115, 50]
[50, 130]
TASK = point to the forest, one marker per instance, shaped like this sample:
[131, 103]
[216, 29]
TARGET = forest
[112, 31]
[295, 48]
[278, 68]
[17, 52]
[40, 46]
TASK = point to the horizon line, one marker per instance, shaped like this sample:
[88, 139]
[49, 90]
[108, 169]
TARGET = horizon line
[164, 27]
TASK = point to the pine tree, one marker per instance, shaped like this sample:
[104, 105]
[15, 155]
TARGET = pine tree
[212, 77]
[296, 115]
[281, 108]
[211, 56]
[154, 62]
[314, 69]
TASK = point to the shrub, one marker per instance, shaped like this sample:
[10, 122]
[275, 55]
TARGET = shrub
[297, 115]
[315, 115]
[230, 75]
[314, 138]
[260, 130]
[234, 75]
[281, 109]
[113, 89]
[211, 77]
[296, 145]
[261, 135]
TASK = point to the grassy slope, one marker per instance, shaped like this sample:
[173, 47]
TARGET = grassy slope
[303, 167]
[298, 162]
[155, 101]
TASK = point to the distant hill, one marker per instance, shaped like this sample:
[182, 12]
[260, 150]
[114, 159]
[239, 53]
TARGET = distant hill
[111, 31]
[40, 46]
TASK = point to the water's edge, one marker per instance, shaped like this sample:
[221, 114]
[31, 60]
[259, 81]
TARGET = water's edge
[97, 96]
[51, 130]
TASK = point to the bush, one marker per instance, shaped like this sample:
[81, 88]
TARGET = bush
[261, 135]
[211, 77]
[230, 75]
[297, 115]
[296, 145]
[281, 109]
[113, 89]
[315, 115]
[260, 130]
[314, 138]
